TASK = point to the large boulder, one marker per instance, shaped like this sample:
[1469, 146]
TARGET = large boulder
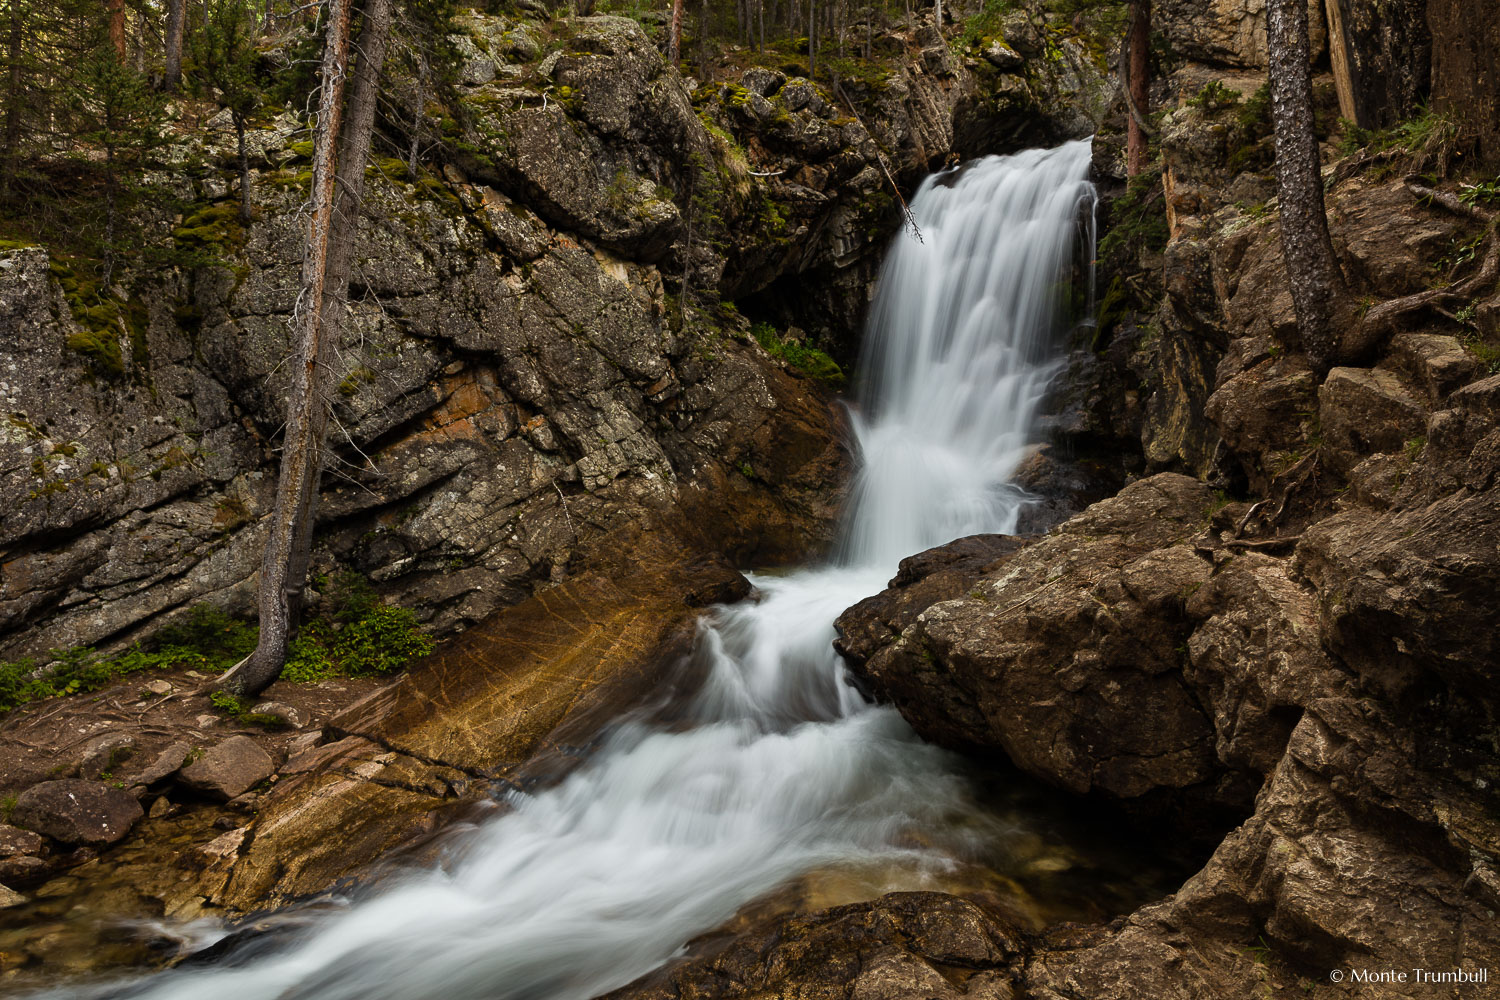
[1366, 411]
[76, 812]
[1068, 656]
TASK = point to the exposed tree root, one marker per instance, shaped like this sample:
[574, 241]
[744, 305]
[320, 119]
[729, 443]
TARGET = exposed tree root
[1383, 318]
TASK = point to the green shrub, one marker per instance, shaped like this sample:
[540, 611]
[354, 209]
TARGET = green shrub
[1138, 221]
[363, 638]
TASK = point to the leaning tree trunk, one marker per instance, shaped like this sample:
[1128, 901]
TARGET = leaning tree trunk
[1138, 92]
[354, 150]
[1317, 284]
[307, 406]
[172, 76]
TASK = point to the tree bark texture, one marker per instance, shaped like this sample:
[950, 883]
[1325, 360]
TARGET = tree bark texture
[172, 76]
[307, 405]
[674, 45]
[117, 27]
[1313, 273]
[1140, 85]
[1466, 68]
[1381, 55]
[13, 94]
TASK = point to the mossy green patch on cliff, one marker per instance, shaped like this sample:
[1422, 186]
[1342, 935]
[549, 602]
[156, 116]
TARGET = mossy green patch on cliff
[1137, 221]
[214, 228]
[806, 360]
[101, 316]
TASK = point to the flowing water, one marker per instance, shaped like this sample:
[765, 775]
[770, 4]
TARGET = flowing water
[782, 769]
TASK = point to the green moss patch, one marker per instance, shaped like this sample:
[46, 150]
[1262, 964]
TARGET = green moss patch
[805, 360]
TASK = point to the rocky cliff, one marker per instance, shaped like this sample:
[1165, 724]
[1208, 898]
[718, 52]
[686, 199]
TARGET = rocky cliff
[544, 367]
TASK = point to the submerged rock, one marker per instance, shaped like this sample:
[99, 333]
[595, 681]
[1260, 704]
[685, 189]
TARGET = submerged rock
[905, 944]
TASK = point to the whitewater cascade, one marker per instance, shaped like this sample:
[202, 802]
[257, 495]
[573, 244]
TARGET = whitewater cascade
[662, 835]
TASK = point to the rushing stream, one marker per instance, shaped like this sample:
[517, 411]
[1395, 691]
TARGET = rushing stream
[783, 769]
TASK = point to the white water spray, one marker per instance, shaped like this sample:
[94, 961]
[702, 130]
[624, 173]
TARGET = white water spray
[585, 886]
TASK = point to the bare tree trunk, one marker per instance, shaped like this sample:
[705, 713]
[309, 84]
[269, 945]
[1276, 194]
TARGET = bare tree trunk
[176, 9]
[1318, 290]
[307, 413]
[117, 27]
[418, 115]
[812, 38]
[703, 38]
[1140, 85]
[13, 95]
[674, 44]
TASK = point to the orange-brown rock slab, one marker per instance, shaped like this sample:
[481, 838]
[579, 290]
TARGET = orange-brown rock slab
[547, 671]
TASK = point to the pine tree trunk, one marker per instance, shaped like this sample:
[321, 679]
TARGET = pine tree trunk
[812, 39]
[117, 27]
[176, 9]
[307, 406]
[1140, 85]
[1317, 284]
[674, 45]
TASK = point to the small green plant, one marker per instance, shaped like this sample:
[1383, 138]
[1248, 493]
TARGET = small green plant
[1429, 138]
[1414, 448]
[1214, 96]
[364, 637]
[1483, 193]
[226, 702]
[808, 361]
[206, 639]
[1486, 353]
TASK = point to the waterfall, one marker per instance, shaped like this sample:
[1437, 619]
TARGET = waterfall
[582, 887]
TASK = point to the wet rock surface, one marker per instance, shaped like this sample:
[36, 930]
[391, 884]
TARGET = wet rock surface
[900, 945]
